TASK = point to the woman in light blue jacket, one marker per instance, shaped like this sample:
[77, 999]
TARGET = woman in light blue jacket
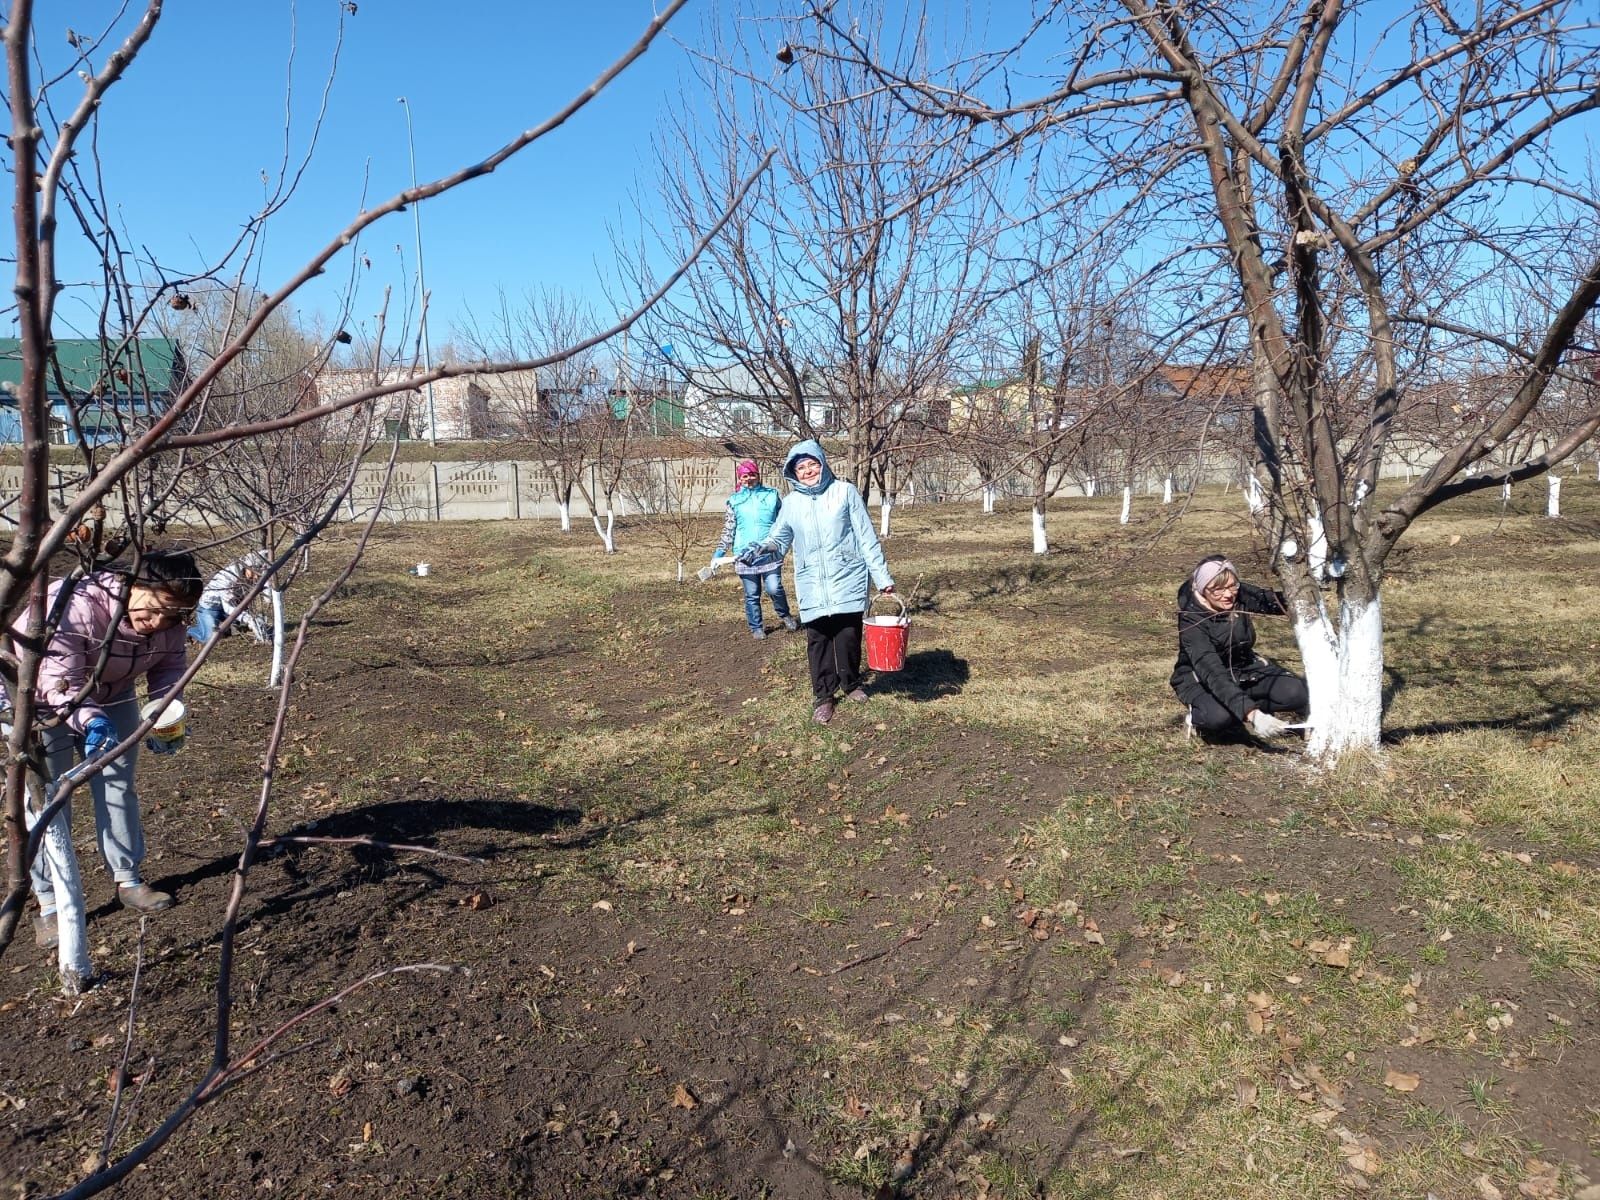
[836, 550]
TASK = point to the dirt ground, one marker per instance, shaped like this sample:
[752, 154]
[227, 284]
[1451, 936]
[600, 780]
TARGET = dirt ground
[691, 946]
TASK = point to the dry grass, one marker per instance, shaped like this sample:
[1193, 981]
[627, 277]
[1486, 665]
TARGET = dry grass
[1223, 1056]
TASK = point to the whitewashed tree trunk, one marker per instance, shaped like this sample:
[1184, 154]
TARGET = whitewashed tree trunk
[1552, 506]
[1253, 498]
[564, 507]
[1344, 673]
[1127, 504]
[1041, 544]
[1166, 490]
[1317, 546]
[988, 498]
[885, 507]
[911, 492]
[680, 570]
[277, 637]
[1505, 492]
[605, 531]
[1089, 488]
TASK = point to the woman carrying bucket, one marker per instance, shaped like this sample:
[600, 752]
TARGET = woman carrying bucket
[836, 549]
[747, 520]
[113, 628]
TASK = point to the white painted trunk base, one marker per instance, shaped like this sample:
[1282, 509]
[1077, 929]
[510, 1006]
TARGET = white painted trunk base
[1166, 491]
[605, 531]
[1552, 506]
[680, 570]
[1253, 498]
[988, 499]
[1505, 490]
[565, 509]
[1090, 488]
[1041, 544]
[1317, 548]
[1344, 673]
[1127, 505]
[885, 507]
[277, 637]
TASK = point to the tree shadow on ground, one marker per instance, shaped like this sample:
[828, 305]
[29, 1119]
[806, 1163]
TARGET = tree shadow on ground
[1554, 715]
[415, 821]
[927, 675]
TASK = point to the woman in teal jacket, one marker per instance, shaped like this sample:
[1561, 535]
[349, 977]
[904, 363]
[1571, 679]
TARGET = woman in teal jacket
[836, 550]
[747, 519]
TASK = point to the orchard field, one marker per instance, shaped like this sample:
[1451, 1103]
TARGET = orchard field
[1002, 931]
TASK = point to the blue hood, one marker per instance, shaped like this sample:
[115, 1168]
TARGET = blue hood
[808, 449]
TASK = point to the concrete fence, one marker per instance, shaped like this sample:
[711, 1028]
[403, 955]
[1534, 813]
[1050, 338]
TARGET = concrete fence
[525, 490]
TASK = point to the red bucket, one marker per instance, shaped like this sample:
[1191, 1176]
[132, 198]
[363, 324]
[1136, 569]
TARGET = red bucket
[886, 639]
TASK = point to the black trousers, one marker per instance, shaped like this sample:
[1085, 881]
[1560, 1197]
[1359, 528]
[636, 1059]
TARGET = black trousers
[833, 648]
[1276, 691]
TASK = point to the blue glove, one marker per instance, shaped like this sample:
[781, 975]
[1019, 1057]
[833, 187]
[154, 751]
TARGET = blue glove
[156, 746]
[98, 736]
[750, 556]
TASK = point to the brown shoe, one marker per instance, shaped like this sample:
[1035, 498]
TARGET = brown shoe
[823, 713]
[859, 696]
[141, 897]
[45, 933]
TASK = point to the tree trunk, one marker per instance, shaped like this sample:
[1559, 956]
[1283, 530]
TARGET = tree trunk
[988, 496]
[1166, 491]
[1089, 488]
[1253, 498]
[680, 570]
[1344, 672]
[605, 531]
[1317, 550]
[277, 636]
[564, 507]
[1127, 504]
[885, 507]
[1041, 544]
[1552, 506]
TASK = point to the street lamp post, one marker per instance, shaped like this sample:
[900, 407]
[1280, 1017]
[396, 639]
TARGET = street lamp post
[422, 287]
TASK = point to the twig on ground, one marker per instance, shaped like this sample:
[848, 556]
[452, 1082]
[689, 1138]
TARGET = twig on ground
[911, 935]
[363, 841]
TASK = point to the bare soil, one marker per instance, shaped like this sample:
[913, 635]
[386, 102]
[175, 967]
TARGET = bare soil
[604, 1029]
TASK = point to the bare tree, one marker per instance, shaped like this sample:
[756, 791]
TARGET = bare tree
[834, 303]
[1376, 180]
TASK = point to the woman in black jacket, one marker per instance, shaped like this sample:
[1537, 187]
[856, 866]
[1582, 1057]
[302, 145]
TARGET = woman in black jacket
[1219, 675]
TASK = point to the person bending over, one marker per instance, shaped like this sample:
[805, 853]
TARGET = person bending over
[1227, 686]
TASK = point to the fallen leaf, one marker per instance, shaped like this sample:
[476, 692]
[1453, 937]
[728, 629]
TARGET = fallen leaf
[1401, 1081]
[340, 1084]
[366, 1132]
[1338, 956]
[854, 1109]
[683, 1098]
[1246, 1092]
[1486, 1188]
[602, 905]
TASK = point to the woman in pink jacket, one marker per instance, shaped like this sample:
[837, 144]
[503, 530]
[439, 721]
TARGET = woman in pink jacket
[114, 628]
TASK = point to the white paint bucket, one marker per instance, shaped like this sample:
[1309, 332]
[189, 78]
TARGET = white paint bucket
[171, 717]
[421, 569]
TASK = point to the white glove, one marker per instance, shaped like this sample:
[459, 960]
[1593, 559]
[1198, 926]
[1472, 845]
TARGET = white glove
[1265, 725]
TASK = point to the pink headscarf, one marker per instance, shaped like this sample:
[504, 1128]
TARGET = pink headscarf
[746, 469]
[1208, 571]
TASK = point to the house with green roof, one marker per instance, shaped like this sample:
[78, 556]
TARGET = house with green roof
[113, 389]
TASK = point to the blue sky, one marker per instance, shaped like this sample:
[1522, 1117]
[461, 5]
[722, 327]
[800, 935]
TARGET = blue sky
[184, 138]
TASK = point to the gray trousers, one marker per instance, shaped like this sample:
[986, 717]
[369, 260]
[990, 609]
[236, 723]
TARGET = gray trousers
[116, 804]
